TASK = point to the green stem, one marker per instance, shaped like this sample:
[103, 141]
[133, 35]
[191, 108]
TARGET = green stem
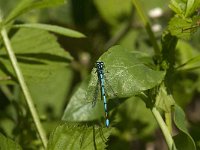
[164, 129]
[168, 120]
[24, 87]
[147, 26]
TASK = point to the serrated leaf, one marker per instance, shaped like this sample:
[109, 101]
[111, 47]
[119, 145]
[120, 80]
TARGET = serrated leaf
[129, 72]
[44, 64]
[164, 100]
[78, 137]
[179, 120]
[53, 28]
[8, 144]
[26, 5]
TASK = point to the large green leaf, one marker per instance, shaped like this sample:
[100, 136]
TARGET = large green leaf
[128, 75]
[8, 144]
[44, 64]
[78, 137]
[179, 120]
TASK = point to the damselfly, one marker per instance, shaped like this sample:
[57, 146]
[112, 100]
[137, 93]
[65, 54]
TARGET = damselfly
[101, 81]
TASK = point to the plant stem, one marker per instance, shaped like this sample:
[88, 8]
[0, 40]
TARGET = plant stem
[164, 129]
[147, 26]
[24, 87]
[168, 120]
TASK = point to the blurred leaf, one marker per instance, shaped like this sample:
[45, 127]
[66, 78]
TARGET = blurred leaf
[26, 5]
[78, 137]
[43, 63]
[179, 120]
[164, 100]
[53, 28]
[8, 144]
[178, 6]
[113, 11]
[138, 126]
[192, 6]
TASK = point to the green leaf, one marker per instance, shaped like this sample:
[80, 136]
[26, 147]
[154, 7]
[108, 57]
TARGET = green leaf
[26, 5]
[71, 136]
[8, 144]
[179, 120]
[43, 62]
[129, 73]
[78, 109]
[180, 27]
[164, 100]
[53, 28]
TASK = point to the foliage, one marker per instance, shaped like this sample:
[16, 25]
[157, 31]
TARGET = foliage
[49, 85]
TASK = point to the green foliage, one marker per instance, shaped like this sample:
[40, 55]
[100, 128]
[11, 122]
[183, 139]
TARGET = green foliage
[8, 144]
[145, 79]
[76, 136]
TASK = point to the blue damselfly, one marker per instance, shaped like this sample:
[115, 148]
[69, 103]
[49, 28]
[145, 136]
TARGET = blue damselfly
[101, 81]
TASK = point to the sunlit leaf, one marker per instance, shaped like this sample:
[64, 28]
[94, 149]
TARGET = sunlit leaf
[129, 72]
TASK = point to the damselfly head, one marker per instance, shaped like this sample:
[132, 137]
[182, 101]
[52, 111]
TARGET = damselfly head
[99, 64]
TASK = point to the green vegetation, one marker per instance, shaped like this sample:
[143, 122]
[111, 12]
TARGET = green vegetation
[48, 80]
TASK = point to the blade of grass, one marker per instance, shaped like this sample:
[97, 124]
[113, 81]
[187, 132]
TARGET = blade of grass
[53, 28]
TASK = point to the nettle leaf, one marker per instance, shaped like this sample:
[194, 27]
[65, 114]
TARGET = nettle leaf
[26, 5]
[8, 144]
[164, 100]
[78, 137]
[43, 62]
[78, 109]
[179, 120]
[128, 72]
[53, 28]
